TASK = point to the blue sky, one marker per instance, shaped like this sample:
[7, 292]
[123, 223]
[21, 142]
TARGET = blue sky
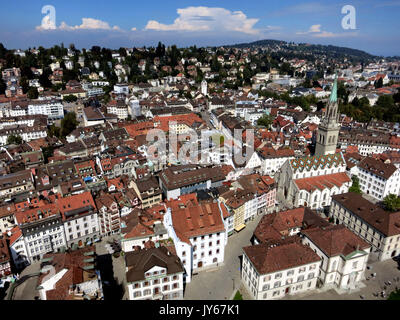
[136, 23]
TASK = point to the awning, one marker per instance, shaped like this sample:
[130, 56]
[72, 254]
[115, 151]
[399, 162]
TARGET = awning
[240, 228]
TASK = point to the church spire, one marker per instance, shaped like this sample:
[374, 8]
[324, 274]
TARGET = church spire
[328, 129]
[333, 98]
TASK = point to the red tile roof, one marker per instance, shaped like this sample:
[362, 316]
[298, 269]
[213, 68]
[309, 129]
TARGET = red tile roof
[268, 259]
[322, 182]
[75, 202]
[336, 240]
[197, 220]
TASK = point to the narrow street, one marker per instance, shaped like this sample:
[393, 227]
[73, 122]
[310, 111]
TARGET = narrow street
[222, 283]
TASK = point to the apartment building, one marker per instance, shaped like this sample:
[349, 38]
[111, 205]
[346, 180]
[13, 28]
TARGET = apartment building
[53, 109]
[148, 190]
[198, 232]
[378, 179]
[108, 214]
[154, 274]
[379, 228]
[344, 255]
[272, 272]
[42, 230]
[180, 180]
[273, 160]
[16, 183]
[80, 219]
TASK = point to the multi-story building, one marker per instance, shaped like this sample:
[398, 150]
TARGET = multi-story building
[19, 252]
[42, 230]
[344, 255]
[108, 214]
[80, 219]
[148, 190]
[119, 108]
[53, 109]
[379, 228]
[154, 274]
[368, 142]
[139, 228]
[26, 133]
[180, 180]
[5, 259]
[378, 179]
[199, 234]
[7, 218]
[284, 225]
[16, 183]
[241, 204]
[273, 160]
[272, 272]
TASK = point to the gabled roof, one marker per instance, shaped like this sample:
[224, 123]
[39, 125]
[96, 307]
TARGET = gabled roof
[328, 181]
[317, 162]
[267, 259]
[139, 262]
[388, 223]
[336, 240]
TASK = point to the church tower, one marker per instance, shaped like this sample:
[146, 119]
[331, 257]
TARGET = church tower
[204, 88]
[328, 129]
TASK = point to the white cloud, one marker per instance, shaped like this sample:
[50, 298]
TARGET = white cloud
[87, 24]
[315, 31]
[207, 19]
[47, 24]
[315, 28]
[133, 29]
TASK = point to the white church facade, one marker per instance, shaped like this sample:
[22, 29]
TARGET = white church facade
[312, 181]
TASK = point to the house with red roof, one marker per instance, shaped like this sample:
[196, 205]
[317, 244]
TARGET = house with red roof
[198, 232]
[80, 219]
[42, 229]
[5, 259]
[142, 227]
[273, 272]
[70, 275]
[108, 214]
[18, 250]
[344, 254]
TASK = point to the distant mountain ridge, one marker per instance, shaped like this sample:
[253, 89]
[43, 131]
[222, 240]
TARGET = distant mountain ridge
[335, 51]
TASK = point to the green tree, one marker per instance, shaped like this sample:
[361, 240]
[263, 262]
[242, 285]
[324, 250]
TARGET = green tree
[70, 98]
[33, 93]
[68, 124]
[355, 186]
[392, 202]
[54, 131]
[44, 78]
[47, 153]
[378, 84]
[14, 140]
[395, 295]
[265, 121]
[3, 87]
